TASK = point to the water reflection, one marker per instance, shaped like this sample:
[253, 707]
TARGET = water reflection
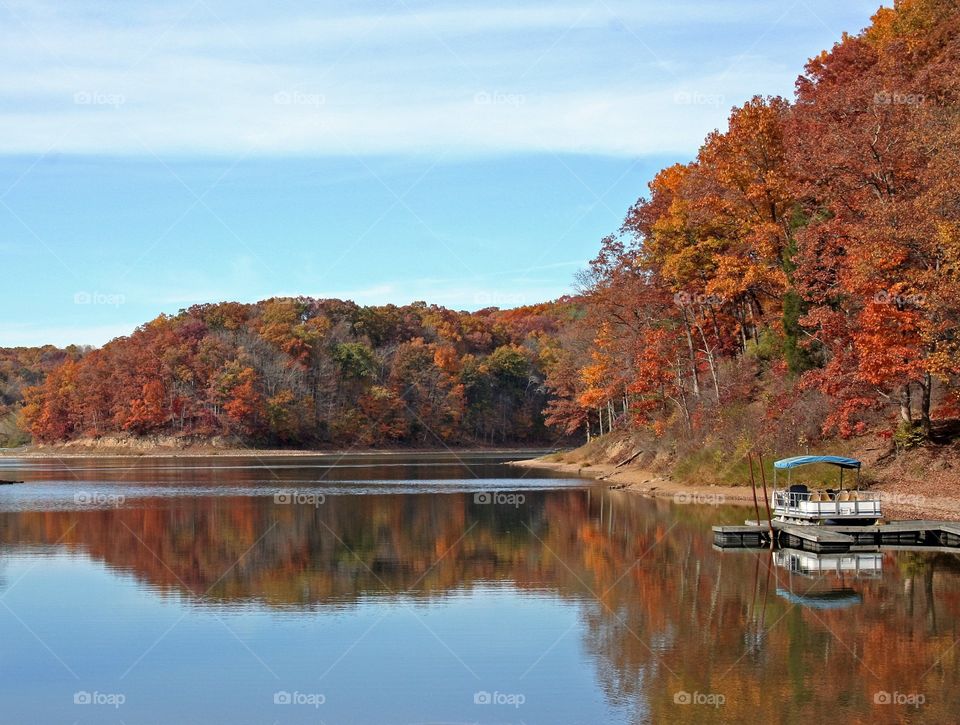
[855, 564]
[663, 621]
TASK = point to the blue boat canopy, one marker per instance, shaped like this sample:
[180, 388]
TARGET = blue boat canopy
[797, 461]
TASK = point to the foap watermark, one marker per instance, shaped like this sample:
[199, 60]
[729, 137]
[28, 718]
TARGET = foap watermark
[499, 98]
[513, 699]
[700, 499]
[99, 98]
[888, 98]
[309, 699]
[99, 499]
[699, 98]
[99, 298]
[299, 498]
[682, 299]
[900, 300]
[103, 699]
[299, 98]
[909, 699]
[499, 498]
[902, 499]
[500, 299]
[709, 699]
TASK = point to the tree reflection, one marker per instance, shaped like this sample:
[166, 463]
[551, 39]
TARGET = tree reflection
[663, 612]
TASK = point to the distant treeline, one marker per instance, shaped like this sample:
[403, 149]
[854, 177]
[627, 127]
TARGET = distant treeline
[20, 368]
[295, 372]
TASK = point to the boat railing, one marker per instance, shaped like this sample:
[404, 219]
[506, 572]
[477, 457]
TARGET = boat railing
[823, 503]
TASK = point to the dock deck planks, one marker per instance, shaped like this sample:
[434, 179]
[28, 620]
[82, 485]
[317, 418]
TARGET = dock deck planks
[935, 535]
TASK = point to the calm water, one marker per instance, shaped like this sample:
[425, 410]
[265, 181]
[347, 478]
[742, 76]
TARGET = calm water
[420, 589]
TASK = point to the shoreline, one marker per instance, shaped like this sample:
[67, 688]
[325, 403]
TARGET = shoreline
[645, 482]
[896, 505]
[54, 453]
[899, 503]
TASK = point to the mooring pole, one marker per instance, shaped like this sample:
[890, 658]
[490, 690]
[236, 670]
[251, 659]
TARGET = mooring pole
[766, 498]
[753, 487]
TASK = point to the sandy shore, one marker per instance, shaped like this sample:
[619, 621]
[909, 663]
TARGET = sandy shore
[647, 482]
[899, 501]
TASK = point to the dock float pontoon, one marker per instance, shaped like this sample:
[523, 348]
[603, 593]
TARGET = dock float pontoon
[841, 539]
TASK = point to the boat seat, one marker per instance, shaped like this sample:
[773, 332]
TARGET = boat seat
[845, 496]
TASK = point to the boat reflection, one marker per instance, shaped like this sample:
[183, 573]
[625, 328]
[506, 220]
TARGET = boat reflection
[808, 563]
[822, 578]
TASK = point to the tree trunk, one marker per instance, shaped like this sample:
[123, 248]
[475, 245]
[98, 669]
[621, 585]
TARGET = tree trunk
[926, 390]
[708, 351]
[906, 412]
[693, 355]
[681, 402]
[716, 327]
[742, 313]
[753, 322]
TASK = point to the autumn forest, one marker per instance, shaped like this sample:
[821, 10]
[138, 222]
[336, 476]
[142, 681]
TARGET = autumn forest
[799, 277]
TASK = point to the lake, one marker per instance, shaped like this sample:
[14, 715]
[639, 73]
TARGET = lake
[438, 588]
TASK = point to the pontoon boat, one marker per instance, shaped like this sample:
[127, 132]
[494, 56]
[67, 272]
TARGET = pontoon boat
[799, 504]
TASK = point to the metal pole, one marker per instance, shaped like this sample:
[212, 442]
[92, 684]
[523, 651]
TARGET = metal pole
[753, 487]
[766, 498]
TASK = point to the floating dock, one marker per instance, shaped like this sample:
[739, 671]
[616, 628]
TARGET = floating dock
[841, 539]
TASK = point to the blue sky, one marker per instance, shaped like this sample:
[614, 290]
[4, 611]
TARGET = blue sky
[154, 156]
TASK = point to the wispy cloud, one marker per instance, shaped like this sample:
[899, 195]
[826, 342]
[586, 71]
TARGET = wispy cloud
[617, 77]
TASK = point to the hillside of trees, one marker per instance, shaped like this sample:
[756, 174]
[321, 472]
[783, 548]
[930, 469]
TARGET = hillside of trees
[21, 368]
[305, 372]
[799, 279]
